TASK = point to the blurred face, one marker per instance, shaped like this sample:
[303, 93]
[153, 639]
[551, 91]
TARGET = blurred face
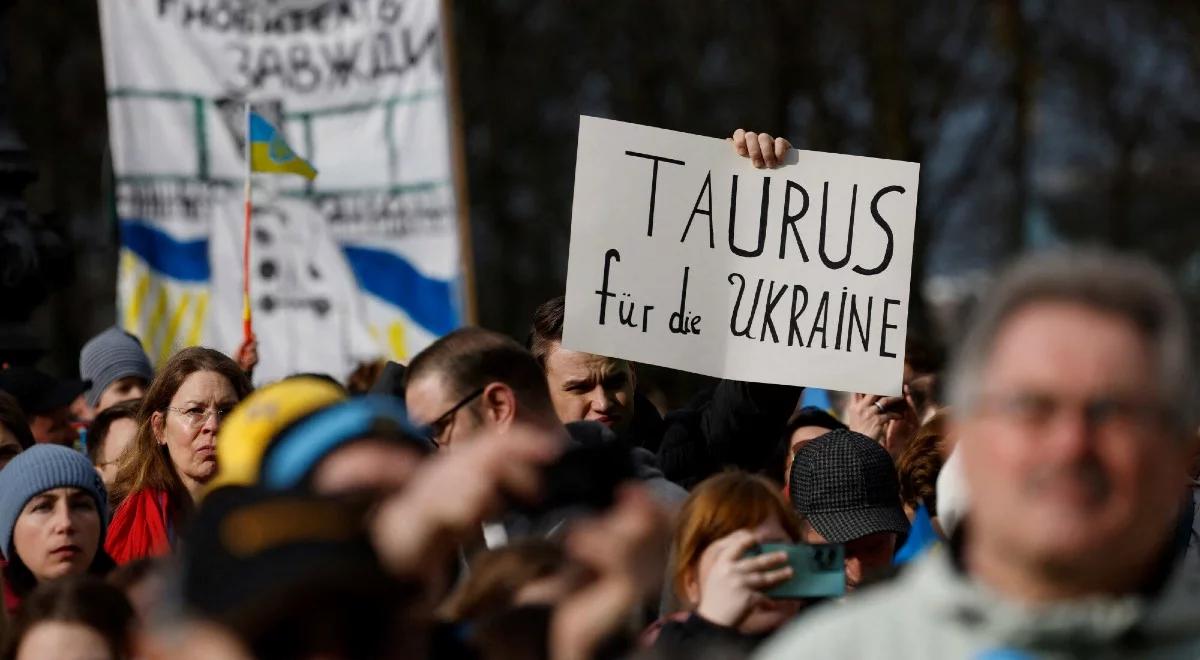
[1071, 465]
[122, 389]
[58, 533]
[768, 615]
[800, 436]
[65, 640]
[549, 590]
[865, 556]
[430, 404]
[590, 387]
[188, 428]
[120, 434]
[378, 466]
[920, 391]
[54, 427]
[191, 639]
[148, 595]
[80, 411]
[9, 446]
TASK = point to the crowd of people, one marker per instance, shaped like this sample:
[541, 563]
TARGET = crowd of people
[1035, 496]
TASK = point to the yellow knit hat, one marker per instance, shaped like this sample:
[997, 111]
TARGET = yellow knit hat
[248, 431]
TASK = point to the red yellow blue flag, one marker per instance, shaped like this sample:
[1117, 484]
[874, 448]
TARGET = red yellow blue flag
[269, 152]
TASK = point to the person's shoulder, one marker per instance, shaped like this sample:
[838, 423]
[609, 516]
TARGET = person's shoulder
[667, 492]
[868, 624]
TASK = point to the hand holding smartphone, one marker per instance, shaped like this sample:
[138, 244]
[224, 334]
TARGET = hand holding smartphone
[818, 571]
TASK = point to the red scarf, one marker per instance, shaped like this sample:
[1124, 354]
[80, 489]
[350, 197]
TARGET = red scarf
[140, 527]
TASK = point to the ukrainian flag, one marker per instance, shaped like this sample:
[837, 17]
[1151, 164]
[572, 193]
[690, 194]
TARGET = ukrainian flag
[270, 153]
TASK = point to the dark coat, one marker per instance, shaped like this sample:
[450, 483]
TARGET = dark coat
[550, 517]
[695, 635]
[733, 424]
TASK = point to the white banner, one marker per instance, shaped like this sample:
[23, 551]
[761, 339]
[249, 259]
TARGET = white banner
[359, 264]
[685, 256]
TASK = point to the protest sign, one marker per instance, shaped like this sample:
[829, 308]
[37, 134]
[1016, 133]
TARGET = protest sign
[685, 256]
[364, 262]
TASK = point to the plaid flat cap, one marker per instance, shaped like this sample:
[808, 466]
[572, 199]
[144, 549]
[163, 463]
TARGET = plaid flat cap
[845, 485]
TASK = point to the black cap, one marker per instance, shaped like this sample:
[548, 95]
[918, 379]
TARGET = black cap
[845, 485]
[38, 392]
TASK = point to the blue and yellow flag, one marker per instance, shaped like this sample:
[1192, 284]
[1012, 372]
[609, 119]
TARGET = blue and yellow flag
[269, 152]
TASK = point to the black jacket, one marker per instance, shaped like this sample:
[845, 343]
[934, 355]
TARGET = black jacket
[567, 492]
[733, 424]
[695, 635]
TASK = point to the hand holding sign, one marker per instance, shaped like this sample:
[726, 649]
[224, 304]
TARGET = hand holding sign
[760, 148]
[685, 256]
[867, 414]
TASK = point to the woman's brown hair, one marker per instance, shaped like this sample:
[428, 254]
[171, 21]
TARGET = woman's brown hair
[498, 575]
[146, 464]
[97, 432]
[85, 600]
[720, 506]
[918, 467]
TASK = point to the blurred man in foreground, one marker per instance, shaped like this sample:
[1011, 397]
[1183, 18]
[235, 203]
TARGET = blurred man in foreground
[1075, 395]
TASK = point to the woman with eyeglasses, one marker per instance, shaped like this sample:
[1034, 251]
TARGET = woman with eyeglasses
[174, 453]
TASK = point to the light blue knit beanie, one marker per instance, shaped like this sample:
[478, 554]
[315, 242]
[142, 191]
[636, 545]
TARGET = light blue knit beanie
[110, 356]
[40, 468]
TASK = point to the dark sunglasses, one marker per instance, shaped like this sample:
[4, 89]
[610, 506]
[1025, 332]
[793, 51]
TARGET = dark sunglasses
[434, 429]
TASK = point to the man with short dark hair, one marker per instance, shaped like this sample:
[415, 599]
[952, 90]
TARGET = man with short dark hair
[472, 378]
[583, 386]
[1074, 394]
[474, 383]
[733, 424]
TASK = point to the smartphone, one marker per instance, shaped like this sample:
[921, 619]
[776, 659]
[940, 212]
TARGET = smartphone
[818, 571]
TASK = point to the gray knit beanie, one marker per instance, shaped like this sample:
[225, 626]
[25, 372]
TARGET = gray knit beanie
[110, 356]
[40, 468]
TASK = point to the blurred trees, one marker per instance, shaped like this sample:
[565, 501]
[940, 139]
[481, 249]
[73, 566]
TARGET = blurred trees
[66, 252]
[1035, 122]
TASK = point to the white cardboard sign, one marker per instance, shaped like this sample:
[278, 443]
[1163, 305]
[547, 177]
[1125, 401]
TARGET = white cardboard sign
[685, 256]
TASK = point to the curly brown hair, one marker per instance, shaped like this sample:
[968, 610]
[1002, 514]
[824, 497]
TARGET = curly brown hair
[920, 464]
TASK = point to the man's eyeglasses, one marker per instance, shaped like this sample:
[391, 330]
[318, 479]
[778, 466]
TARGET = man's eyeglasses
[437, 427]
[1037, 409]
[197, 416]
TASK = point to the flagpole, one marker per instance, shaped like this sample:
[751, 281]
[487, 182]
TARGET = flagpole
[247, 327]
[458, 160]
